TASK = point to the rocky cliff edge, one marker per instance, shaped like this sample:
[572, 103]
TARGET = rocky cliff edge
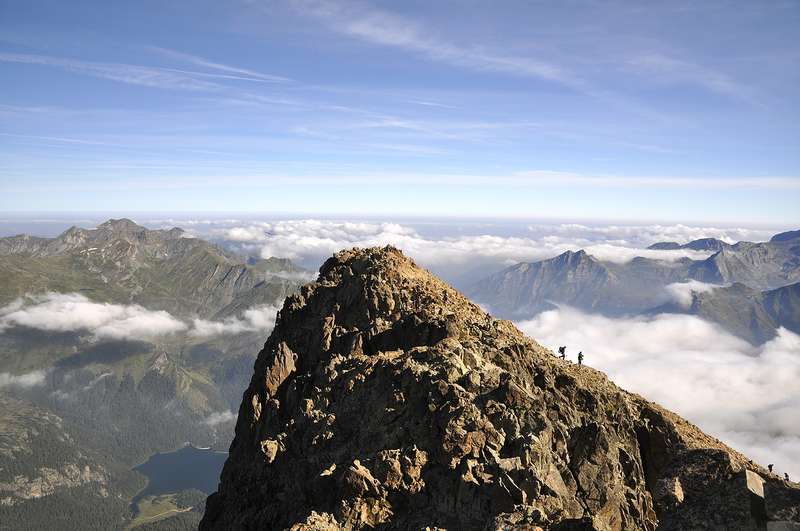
[385, 399]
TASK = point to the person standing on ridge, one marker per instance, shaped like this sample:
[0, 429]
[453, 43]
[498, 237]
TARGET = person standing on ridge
[580, 358]
[769, 466]
[786, 476]
[562, 352]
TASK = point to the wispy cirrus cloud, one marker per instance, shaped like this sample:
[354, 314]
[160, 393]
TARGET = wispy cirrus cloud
[432, 104]
[206, 63]
[124, 73]
[671, 70]
[388, 29]
[148, 76]
[59, 139]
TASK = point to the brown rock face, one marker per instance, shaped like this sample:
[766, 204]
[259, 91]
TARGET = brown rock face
[385, 399]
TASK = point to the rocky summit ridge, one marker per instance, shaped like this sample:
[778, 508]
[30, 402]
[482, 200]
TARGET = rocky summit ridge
[386, 399]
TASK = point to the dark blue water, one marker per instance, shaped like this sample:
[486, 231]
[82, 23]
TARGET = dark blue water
[187, 468]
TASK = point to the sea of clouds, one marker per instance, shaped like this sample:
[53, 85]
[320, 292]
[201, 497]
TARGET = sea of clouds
[461, 251]
[310, 239]
[744, 395]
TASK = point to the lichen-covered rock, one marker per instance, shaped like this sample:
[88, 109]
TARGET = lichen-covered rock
[385, 399]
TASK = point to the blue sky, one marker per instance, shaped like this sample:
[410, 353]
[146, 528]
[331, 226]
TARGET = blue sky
[683, 111]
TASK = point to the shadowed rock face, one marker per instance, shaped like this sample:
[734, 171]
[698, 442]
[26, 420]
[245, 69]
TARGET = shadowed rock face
[384, 398]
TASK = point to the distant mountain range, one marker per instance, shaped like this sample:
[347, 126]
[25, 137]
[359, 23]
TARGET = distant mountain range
[93, 406]
[753, 308]
[122, 262]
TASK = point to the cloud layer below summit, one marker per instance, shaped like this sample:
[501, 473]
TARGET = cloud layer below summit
[73, 312]
[746, 396]
[447, 247]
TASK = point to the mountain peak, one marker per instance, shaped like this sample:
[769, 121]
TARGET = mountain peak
[574, 256]
[121, 225]
[385, 398]
[378, 287]
[579, 252]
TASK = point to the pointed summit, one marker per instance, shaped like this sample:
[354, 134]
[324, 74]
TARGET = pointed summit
[571, 278]
[121, 225]
[384, 398]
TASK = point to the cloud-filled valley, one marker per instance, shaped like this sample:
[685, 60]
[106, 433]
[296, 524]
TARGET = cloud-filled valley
[681, 292]
[73, 312]
[260, 318]
[22, 381]
[746, 396]
[309, 238]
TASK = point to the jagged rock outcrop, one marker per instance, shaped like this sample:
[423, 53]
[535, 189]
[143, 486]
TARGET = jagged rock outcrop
[386, 399]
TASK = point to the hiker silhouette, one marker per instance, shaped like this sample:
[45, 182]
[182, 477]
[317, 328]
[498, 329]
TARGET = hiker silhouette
[769, 466]
[562, 352]
[580, 357]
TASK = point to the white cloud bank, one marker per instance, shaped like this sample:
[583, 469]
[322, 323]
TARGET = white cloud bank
[260, 318]
[746, 396]
[73, 312]
[219, 417]
[23, 381]
[681, 292]
[312, 240]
